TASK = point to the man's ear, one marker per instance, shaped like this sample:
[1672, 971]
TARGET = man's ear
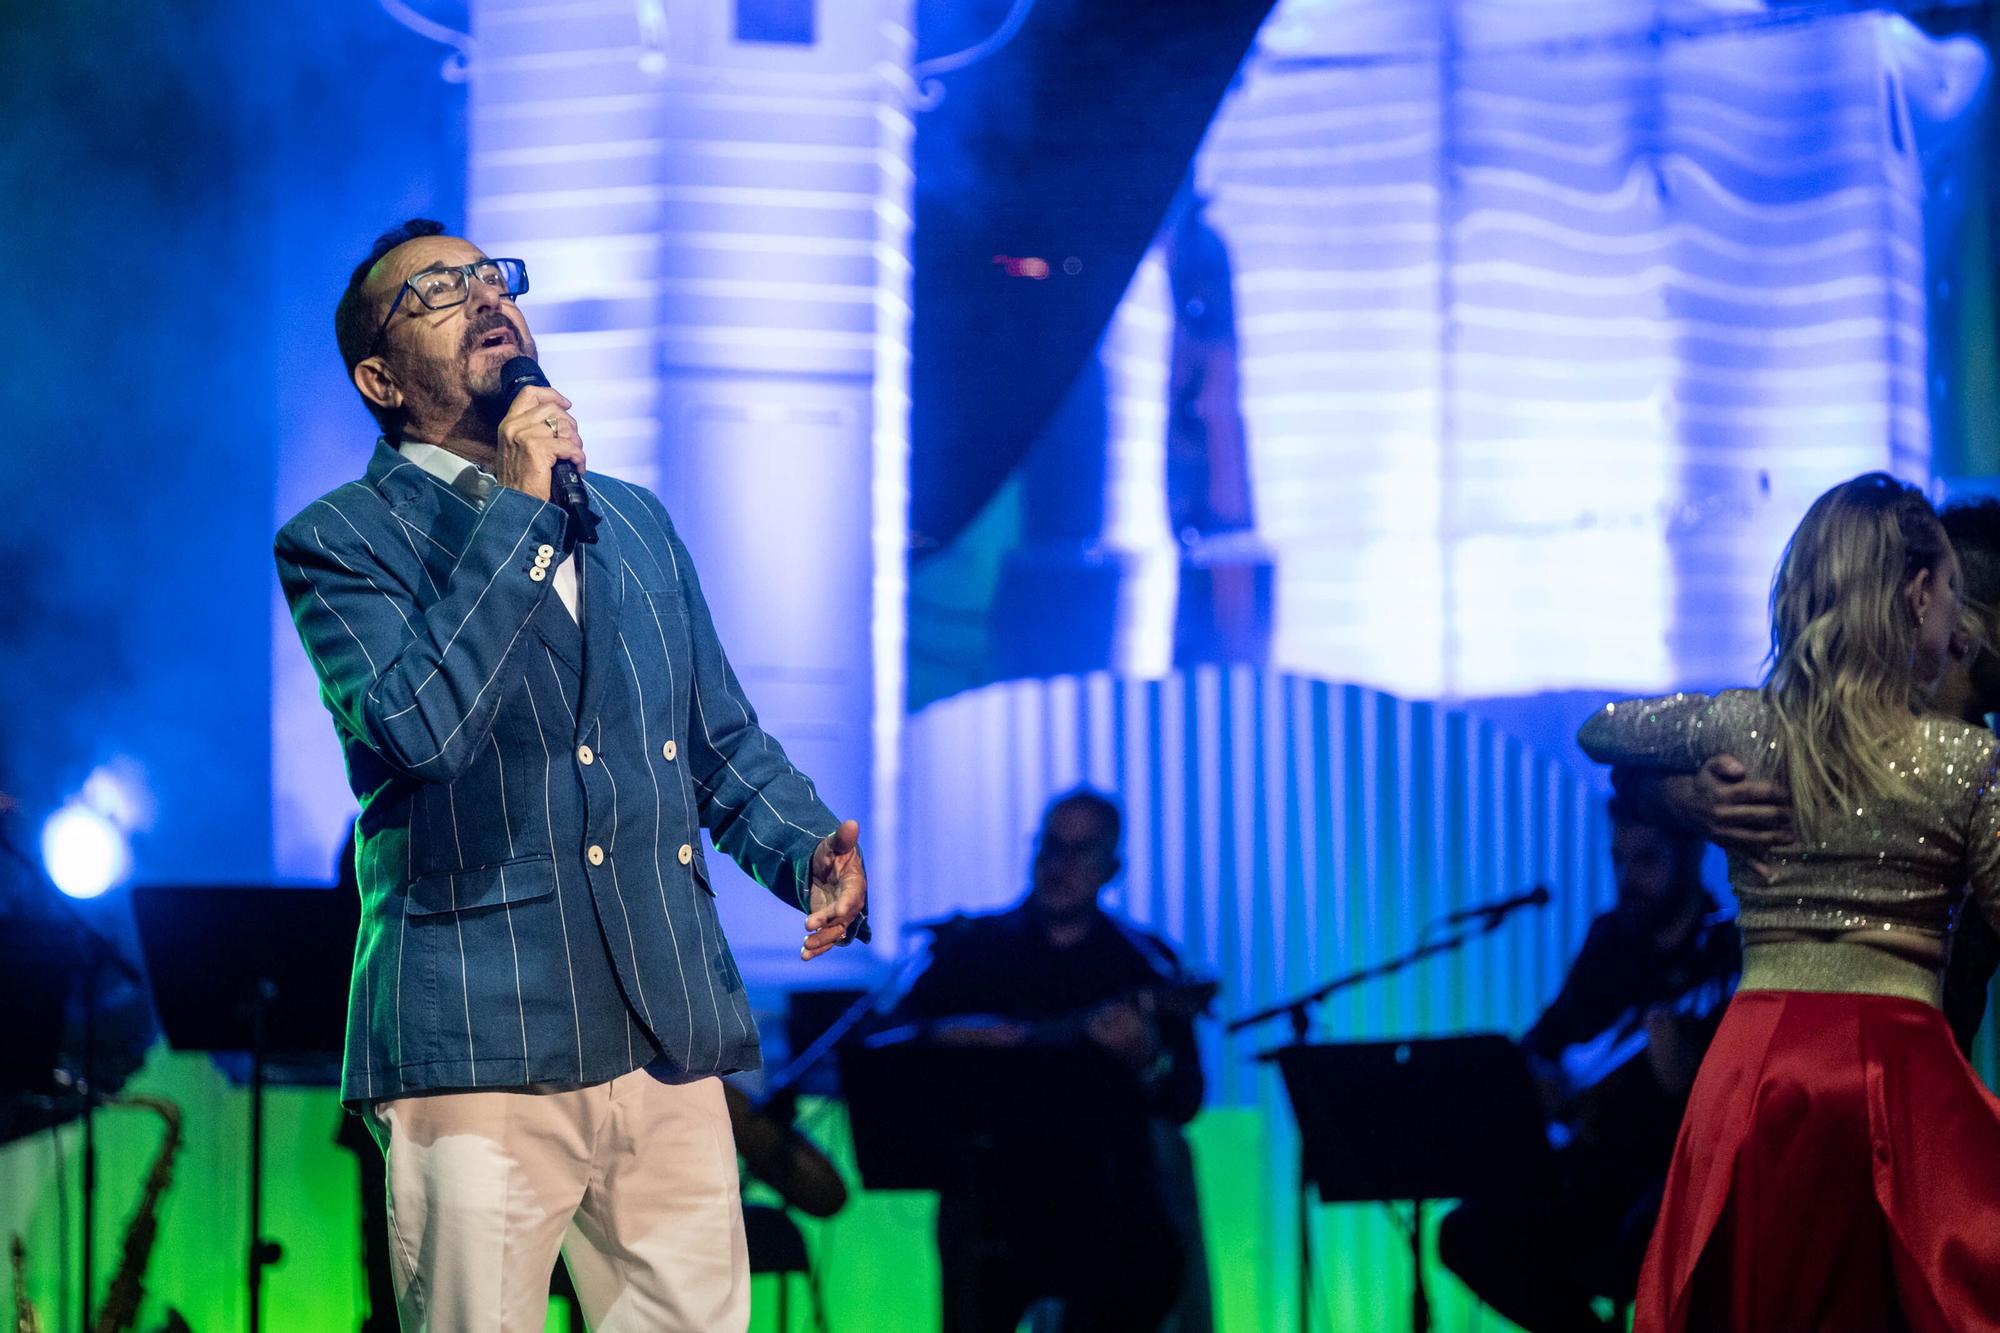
[378, 383]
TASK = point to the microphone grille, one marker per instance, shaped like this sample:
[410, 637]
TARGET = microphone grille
[519, 372]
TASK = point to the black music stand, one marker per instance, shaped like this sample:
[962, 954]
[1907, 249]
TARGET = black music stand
[1437, 1118]
[932, 1116]
[253, 969]
[40, 960]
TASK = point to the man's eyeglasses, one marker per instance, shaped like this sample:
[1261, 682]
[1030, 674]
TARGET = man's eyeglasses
[443, 288]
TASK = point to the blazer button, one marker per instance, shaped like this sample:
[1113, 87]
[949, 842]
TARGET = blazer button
[541, 562]
[538, 573]
[545, 552]
[687, 853]
[585, 754]
[595, 855]
[670, 751]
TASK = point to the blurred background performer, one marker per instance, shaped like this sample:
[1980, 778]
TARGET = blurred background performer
[537, 719]
[1969, 690]
[1114, 1233]
[1839, 1164]
[1614, 1056]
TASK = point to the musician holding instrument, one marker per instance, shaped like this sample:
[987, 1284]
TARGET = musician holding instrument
[1110, 1229]
[1614, 1056]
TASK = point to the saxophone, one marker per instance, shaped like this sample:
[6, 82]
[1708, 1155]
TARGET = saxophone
[25, 1318]
[121, 1302]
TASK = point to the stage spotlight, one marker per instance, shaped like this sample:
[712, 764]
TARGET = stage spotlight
[84, 851]
[86, 845]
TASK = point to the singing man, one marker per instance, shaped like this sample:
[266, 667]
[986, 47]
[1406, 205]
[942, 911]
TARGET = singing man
[538, 718]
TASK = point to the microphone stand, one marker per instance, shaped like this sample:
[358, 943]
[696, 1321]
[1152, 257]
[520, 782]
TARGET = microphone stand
[1299, 1007]
[1298, 1010]
[98, 952]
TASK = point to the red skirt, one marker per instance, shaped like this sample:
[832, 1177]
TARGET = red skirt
[1838, 1170]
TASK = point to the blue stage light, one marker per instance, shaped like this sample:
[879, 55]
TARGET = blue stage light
[84, 851]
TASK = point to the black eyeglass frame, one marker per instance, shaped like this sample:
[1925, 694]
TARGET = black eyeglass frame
[514, 270]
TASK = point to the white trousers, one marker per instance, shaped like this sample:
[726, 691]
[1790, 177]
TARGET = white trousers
[634, 1181]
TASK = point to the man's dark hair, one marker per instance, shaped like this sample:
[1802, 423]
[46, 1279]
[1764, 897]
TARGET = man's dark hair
[355, 318]
[1974, 529]
[1624, 810]
[1097, 803]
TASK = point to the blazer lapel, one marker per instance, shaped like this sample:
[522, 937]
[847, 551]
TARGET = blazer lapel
[434, 509]
[602, 596]
[446, 520]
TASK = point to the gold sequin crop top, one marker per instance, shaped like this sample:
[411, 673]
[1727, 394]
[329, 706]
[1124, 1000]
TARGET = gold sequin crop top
[1898, 862]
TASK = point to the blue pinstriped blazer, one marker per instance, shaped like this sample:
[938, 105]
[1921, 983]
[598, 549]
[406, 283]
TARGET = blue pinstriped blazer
[535, 907]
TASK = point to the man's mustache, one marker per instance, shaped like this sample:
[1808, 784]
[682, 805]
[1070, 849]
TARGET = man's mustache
[485, 325]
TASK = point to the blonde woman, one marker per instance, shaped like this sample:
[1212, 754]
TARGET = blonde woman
[1839, 1164]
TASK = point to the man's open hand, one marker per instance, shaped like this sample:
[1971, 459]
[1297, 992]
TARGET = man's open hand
[837, 905]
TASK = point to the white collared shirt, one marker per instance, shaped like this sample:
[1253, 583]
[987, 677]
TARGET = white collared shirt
[475, 483]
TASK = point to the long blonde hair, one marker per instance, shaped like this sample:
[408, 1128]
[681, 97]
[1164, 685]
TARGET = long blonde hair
[1841, 684]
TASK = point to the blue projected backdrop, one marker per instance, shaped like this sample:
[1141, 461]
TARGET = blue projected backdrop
[1545, 345]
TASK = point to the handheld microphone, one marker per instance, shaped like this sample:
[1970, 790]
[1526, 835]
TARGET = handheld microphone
[520, 373]
[1501, 907]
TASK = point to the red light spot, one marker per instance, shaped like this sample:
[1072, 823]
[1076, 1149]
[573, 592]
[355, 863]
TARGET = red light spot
[1023, 267]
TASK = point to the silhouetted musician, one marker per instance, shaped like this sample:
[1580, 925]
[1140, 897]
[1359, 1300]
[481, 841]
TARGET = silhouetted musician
[1104, 1219]
[1614, 1057]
